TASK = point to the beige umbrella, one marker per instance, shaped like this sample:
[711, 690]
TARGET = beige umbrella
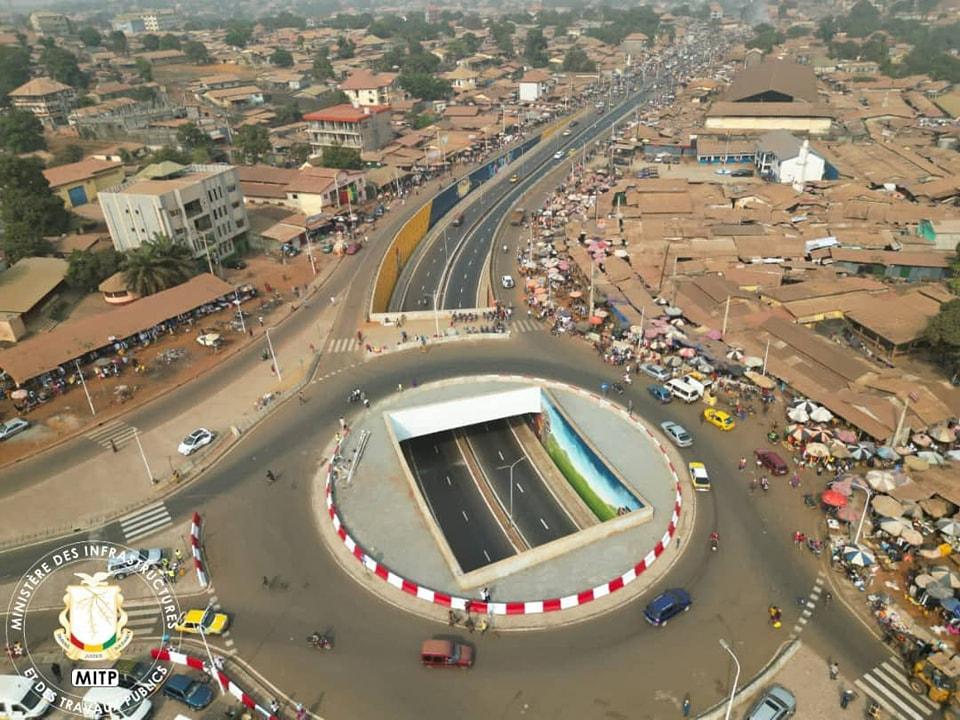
[917, 464]
[935, 507]
[838, 449]
[881, 480]
[949, 526]
[912, 537]
[945, 575]
[912, 510]
[922, 580]
[891, 526]
[942, 434]
[817, 450]
[887, 506]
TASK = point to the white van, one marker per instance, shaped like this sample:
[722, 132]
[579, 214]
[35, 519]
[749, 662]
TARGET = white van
[21, 699]
[683, 390]
[114, 703]
[700, 387]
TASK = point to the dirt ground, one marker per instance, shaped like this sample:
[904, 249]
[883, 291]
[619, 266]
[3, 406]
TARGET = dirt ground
[69, 413]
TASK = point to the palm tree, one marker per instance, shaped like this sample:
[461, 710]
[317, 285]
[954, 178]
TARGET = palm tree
[157, 265]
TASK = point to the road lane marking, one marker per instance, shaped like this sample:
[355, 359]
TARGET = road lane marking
[501, 455]
[519, 487]
[545, 526]
[464, 513]
[487, 556]
[449, 481]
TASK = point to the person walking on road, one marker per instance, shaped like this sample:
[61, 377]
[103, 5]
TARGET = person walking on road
[300, 397]
[271, 478]
[834, 671]
[743, 464]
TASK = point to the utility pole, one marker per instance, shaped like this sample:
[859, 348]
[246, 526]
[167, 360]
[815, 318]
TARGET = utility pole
[86, 391]
[726, 314]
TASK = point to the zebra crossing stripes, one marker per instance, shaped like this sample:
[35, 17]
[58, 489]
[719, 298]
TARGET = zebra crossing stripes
[889, 685]
[142, 615]
[117, 432]
[342, 345]
[350, 344]
[145, 522]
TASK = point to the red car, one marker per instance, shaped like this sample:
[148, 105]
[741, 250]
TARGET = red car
[771, 461]
[353, 248]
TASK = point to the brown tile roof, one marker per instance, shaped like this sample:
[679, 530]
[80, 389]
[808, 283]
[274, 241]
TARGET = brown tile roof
[364, 80]
[75, 172]
[535, 76]
[39, 87]
[26, 282]
[346, 113]
[783, 76]
[897, 318]
[43, 353]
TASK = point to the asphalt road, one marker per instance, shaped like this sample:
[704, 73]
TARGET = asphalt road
[537, 515]
[460, 509]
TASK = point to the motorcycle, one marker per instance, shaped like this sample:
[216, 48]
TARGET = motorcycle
[815, 546]
[320, 642]
[774, 437]
[776, 616]
[714, 542]
[764, 484]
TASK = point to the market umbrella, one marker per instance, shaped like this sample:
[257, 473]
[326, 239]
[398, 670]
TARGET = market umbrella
[576, 294]
[935, 507]
[714, 335]
[687, 352]
[102, 362]
[798, 434]
[952, 455]
[887, 506]
[949, 526]
[752, 361]
[672, 361]
[844, 486]
[887, 453]
[821, 415]
[860, 452]
[942, 433]
[917, 464]
[819, 435]
[838, 449]
[912, 510]
[923, 580]
[596, 321]
[798, 415]
[951, 605]
[939, 591]
[834, 498]
[856, 555]
[881, 480]
[531, 283]
[600, 313]
[846, 436]
[806, 405]
[563, 266]
[911, 537]
[903, 451]
[891, 526]
[945, 575]
[921, 439]
[932, 457]
[20, 394]
[848, 514]
[658, 345]
[817, 450]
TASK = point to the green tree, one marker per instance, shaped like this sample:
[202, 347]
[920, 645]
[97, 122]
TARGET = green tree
[425, 87]
[196, 52]
[157, 265]
[299, 153]
[144, 69]
[88, 269]
[502, 34]
[954, 282]
[943, 330]
[14, 69]
[21, 132]
[862, 20]
[169, 42]
[150, 42]
[576, 60]
[62, 66]
[289, 113]
[283, 19]
[281, 58]
[535, 48]
[239, 33]
[90, 36]
[117, 42]
[69, 153]
[765, 37]
[342, 157]
[346, 48]
[322, 68]
[253, 142]
[168, 154]
[191, 137]
[29, 210]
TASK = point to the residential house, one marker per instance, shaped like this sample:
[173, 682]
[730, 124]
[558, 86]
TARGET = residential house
[716, 12]
[462, 78]
[944, 234]
[78, 183]
[200, 206]
[362, 128]
[534, 85]
[288, 80]
[310, 190]
[49, 100]
[146, 21]
[163, 57]
[219, 82]
[236, 98]
[111, 91]
[634, 44]
[916, 266]
[51, 23]
[786, 159]
[371, 89]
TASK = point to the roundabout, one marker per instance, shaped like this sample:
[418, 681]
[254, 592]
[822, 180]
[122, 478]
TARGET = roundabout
[377, 512]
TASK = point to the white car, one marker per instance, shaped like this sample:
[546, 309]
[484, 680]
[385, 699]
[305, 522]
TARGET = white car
[507, 281]
[677, 434]
[9, 429]
[558, 155]
[131, 562]
[195, 440]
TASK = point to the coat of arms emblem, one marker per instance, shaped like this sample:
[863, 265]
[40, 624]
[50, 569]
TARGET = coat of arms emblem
[92, 622]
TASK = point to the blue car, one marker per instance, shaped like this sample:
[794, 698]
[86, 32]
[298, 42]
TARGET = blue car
[660, 393]
[666, 605]
[182, 688]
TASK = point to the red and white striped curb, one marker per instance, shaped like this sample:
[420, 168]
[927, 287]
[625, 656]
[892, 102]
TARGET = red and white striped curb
[225, 682]
[195, 549]
[529, 607]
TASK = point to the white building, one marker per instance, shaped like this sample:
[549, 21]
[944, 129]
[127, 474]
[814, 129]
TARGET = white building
[198, 205]
[534, 85]
[788, 159]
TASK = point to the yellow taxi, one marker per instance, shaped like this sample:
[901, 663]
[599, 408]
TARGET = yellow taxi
[514, 178]
[719, 418]
[205, 622]
[699, 477]
[572, 151]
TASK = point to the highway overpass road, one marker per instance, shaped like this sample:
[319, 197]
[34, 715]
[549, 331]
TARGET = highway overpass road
[537, 515]
[460, 509]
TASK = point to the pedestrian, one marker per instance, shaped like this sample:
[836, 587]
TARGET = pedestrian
[178, 554]
[333, 299]
[266, 581]
[274, 707]
[113, 446]
[686, 706]
[483, 626]
[359, 336]
[336, 438]
[485, 594]
[343, 423]
[300, 397]
[834, 670]
[250, 332]
[57, 672]
[260, 320]
[743, 464]
[270, 477]
[301, 712]
[845, 697]
[366, 403]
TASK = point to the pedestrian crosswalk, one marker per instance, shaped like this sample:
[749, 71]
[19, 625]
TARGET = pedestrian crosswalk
[343, 345]
[145, 522]
[889, 685]
[143, 616]
[113, 434]
[350, 344]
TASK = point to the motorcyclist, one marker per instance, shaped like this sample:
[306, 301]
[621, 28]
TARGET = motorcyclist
[764, 484]
[776, 616]
[714, 540]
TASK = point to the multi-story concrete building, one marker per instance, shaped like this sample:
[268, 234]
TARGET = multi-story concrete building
[49, 100]
[146, 21]
[51, 23]
[200, 206]
[361, 128]
[365, 88]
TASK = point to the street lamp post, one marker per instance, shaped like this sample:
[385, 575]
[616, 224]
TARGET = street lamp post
[143, 455]
[436, 311]
[214, 665]
[736, 678]
[866, 505]
[273, 356]
[86, 391]
[236, 295]
[510, 467]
